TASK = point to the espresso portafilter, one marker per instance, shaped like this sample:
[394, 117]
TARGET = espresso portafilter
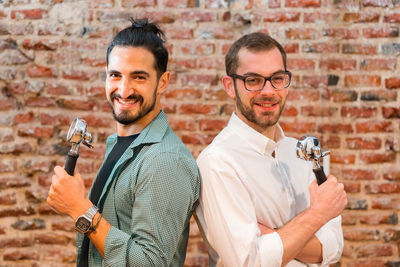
[308, 148]
[77, 134]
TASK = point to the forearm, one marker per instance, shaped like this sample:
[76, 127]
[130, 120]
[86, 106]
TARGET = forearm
[312, 252]
[99, 235]
[295, 238]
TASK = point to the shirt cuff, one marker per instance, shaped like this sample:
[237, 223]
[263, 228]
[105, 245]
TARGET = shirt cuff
[271, 250]
[330, 248]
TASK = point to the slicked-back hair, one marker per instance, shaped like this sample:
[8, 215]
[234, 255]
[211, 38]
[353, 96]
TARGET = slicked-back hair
[143, 33]
[255, 42]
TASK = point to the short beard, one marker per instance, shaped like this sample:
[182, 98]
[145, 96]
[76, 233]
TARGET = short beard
[125, 117]
[250, 115]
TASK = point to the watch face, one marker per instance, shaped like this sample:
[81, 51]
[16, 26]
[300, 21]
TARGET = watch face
[82, 224]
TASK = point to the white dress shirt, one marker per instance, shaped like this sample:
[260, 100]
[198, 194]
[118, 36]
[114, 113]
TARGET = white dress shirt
[242, 184]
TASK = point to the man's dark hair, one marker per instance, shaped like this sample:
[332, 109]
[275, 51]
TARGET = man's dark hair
[256, 41]
[143, 33]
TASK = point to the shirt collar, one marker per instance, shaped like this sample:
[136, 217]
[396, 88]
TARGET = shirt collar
[256, 140]
[152, 133]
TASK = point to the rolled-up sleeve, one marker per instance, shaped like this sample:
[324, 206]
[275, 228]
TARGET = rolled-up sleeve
[331, 238]
[163, 199]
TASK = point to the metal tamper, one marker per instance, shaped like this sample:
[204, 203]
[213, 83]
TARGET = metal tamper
[308, 148]
[77, 134]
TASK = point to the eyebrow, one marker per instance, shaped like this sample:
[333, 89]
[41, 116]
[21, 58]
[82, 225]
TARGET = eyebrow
[137, 72]
[257, 74]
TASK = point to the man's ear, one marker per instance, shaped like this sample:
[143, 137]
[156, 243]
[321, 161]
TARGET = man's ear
[229, 86]
[163, 82]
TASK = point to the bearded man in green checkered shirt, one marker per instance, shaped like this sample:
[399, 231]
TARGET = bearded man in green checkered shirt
[139, 207]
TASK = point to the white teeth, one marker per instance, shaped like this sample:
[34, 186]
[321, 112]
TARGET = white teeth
[266, 105]
[126, 102]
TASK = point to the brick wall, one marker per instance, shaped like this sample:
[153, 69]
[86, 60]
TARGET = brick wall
[344, 55]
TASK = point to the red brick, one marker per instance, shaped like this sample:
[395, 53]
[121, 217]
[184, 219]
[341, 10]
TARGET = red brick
[138, 3]
[77, 104]
[374, 126]
[281, 16]
[19, 255]
[79, 75]
[335, 128]
[378, 64]
[318, 111]
[343, 159]
[7, 103]
[212, 125]
[59, 254]
[43, 44]
[303, 3]
[337, 64]
[361, 49]
[96, 91]
[180, 33]
[7, 199]
[29, 14]
[17, 211]
[181, 64]
[186, 93]
[182, 125]
[386, 202]
[15, 148]
[358, 112]
[36, 71]
[66, 226]
[385, 188]
[352, 187]
[297, 127]
[196, 16]
[95, 61]
[367, 263]
[381, 32]
[374, 218]
[362, 17]
[197, 139]
[363, 143]
[321, 48]
[317, 17]
[38, 132]
[40, 101]
[196, 79]
[291, 48]
[315, 81]
[198, 109]
[302, 34]
[362, 80]
[303, 95]
[300, 64]
[2, 14]
[290, 111]
[378, 157]
[392, 18]
[392, 173]
[374, 250]
[349, 219]
[342, 33]
[57, 89]
[379, 95]
[55, 119]
[51, 239]
[377, 3]
[212, 63]
[359, 174]
[98, 121]
[390, 113]
[360, 234]
[101, 3]
[392, 83]
[391, 235]
[202, 49]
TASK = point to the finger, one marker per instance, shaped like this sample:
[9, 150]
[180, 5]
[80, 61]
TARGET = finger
[341, 186]
[59, 171]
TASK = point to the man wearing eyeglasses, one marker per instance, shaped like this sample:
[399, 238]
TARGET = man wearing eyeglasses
[260, 205]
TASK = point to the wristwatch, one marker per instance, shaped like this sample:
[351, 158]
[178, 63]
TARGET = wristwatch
[84, 224]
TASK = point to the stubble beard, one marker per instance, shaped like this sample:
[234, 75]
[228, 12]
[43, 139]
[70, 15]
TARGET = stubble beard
[125, 117]
[267, 119]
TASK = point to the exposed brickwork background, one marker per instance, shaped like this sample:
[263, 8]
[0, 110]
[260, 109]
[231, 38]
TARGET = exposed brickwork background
[344, 55]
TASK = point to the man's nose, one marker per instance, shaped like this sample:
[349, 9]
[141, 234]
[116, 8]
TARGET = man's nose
[268, 88]
[125, 88]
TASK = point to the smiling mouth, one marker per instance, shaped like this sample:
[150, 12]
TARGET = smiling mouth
[126, 101]
[265, 105]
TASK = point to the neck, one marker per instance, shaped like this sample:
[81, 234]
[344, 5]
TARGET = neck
[268, 131]
[137, 126]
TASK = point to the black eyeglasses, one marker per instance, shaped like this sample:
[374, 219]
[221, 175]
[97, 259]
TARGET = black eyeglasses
[255, 82]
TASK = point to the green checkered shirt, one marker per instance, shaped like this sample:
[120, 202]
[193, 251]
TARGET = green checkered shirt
[148, 199]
